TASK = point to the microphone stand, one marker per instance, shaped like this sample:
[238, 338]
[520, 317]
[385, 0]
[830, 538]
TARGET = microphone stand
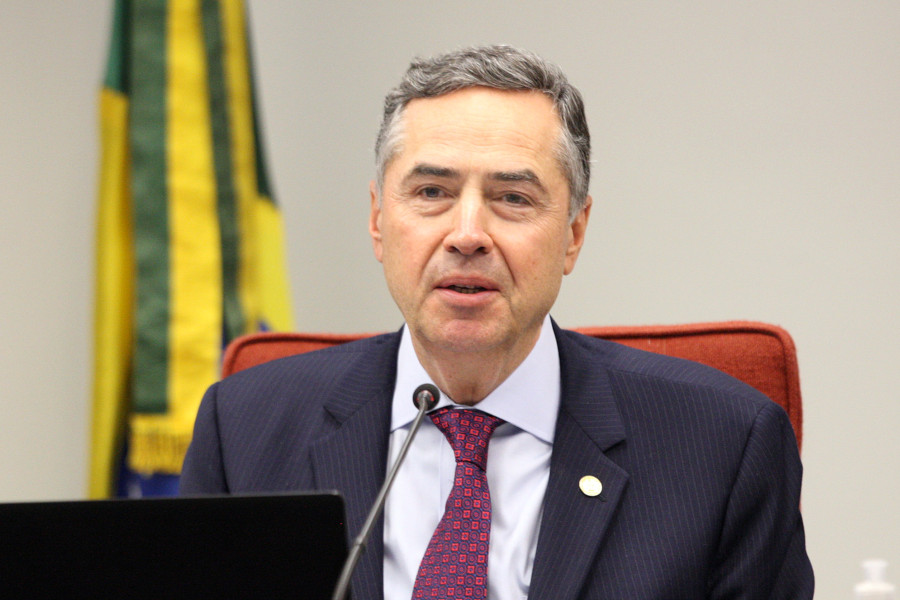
[425, 398]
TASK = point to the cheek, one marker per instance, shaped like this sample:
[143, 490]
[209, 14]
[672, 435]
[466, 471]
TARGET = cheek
[537, 271]
[543, 255]
[406, 251]
[540, 267]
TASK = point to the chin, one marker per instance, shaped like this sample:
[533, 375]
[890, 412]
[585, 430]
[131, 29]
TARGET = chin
[467, 336]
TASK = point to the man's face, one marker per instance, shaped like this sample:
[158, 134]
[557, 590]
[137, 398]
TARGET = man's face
[472, 227]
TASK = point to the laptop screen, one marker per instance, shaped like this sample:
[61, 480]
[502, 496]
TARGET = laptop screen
[266, 546]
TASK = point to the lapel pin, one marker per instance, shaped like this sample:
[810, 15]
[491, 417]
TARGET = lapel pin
[590, 486]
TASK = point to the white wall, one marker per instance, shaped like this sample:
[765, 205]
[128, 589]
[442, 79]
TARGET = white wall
[747, 160]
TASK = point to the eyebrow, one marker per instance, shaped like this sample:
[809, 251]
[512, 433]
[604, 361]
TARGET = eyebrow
[523, 176]
[429, 170]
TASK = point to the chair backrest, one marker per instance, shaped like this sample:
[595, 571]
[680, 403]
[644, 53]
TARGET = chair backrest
[758, 354]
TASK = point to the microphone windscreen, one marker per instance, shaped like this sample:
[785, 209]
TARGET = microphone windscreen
[427, 394]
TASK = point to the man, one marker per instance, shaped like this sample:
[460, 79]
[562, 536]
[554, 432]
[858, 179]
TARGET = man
[613, 473]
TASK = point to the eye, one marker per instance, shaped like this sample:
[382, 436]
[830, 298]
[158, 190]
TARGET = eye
[431, 192]
[515, 199]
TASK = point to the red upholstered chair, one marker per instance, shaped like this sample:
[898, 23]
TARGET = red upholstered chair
[759, 354]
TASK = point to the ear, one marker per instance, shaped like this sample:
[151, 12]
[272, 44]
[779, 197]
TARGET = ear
[375, 220]
[576, 235]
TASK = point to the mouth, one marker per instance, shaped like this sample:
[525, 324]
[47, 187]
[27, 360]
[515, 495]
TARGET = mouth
[471, 286]
[466, 289]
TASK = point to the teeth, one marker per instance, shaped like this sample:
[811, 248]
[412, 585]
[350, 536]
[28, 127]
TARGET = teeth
[466, 289]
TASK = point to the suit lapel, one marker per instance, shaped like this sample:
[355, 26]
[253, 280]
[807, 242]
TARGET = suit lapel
[353, 456]
[573, 523]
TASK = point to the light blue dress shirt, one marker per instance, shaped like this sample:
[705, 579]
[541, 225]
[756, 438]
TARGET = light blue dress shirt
[518, 470]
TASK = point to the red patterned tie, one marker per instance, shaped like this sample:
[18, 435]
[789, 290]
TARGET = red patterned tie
[456, 560]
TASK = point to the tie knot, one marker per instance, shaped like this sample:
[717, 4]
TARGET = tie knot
[468, 432]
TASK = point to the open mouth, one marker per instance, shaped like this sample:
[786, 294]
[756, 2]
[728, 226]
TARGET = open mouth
[466, 289]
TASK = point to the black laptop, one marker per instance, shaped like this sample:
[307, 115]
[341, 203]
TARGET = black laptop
[267, 546]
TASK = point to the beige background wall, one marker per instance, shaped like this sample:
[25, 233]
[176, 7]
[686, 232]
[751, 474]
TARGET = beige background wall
[747, 166]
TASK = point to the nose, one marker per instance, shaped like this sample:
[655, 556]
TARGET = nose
[468, 234]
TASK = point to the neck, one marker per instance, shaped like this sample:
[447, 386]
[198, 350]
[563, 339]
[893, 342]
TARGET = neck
[468, 377]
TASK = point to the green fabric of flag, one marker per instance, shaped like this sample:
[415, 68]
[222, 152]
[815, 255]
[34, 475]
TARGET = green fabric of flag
[190, 247]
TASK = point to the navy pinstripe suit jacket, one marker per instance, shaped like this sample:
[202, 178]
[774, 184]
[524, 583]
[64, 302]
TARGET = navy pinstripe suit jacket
[701, 473]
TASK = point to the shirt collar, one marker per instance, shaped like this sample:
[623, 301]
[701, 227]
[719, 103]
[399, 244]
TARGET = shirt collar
[528, 398]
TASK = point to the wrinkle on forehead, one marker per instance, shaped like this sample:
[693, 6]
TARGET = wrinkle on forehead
[510, 135]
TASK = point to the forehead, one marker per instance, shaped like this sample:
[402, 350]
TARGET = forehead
[477, 127]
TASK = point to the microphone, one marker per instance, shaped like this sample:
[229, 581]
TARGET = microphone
[424, 398]
[428, 394]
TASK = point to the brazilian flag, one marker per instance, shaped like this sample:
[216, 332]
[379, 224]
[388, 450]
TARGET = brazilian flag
[190, 247]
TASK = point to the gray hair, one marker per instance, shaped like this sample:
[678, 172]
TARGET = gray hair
[504, 68]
